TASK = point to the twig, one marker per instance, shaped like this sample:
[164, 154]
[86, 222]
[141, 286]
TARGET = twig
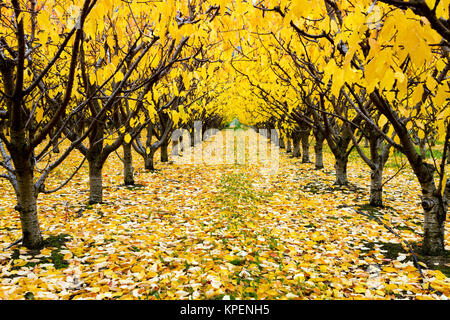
[12, 244]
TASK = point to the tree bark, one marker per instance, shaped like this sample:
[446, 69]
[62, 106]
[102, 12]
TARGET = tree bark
[164, 153]
[288, 144]
[305, 146]
[376, 187]
[433, 204]
[281, 140]
[341, 170]
[318, 149]
[128, 165]
[378, 158]
[296, 145]
[423, 149]
[149, 160]
[434, 219]
[95, 181]
[26, 205]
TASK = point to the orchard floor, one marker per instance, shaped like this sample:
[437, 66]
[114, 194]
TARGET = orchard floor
[190, 231]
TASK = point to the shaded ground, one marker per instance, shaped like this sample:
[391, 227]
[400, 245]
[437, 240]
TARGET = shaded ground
[222, 231]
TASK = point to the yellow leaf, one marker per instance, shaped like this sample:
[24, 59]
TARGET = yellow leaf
[46, 251]
[19, 263]
[359, 289]
[68, 255]
[422, 264]
[441, 96]
[421, 134]
[439, 275]
[382, 121]
[127, 138]
[39, 114]
[416, 97]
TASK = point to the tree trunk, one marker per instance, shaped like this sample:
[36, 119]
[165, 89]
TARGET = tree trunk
[433, 204]
[434, 218]
[296, 145]
[95, 181]
[26, 205]
[288, 144]
[281, 140]
[318, 149]
[149, 161]
[341, 171]
[128, 165]
[305, 146]
[423, 150]
[376, 187]
[379, 156]
[164, 153]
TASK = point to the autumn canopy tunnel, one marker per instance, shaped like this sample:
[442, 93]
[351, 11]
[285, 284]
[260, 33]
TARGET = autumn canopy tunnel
[210, 149]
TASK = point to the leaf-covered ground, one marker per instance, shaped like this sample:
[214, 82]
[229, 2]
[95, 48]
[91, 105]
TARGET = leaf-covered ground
[223, 232]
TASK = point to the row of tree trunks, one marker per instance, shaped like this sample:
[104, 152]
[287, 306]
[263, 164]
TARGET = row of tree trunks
[301, 146]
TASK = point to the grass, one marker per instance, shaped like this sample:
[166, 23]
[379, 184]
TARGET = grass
[55, 242]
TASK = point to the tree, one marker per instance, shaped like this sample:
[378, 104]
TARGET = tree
[25, 78]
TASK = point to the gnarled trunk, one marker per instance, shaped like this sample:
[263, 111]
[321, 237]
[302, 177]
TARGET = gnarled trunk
[422, 147]
[305, 146]
[288, 144]
[95, 181]
[379, 156]
[296, 145]
[164, 153]
[435, 210]
[26, 205]
[128, 165]
[376, 187]
[434, 218]
[282, 145]
[149, 160]
[318, 149]
[341, 170]
[26, 194]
